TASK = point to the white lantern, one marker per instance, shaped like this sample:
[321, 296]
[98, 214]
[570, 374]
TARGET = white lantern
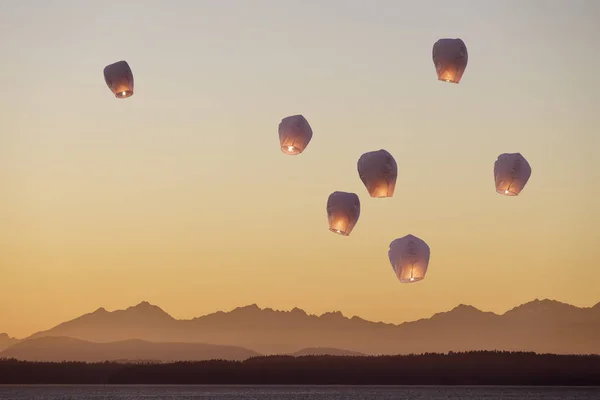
[294, 134]
[378, 172]
[343, 210]
[450, 58]
[409, 257]
[511, 173]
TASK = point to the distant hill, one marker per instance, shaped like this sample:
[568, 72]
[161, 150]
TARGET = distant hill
[325, 351]
[543, 326]
[68, 349]
[6, 341]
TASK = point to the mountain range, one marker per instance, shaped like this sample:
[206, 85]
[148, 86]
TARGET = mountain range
[542, 326]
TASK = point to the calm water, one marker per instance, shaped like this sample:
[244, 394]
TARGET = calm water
[293, 393]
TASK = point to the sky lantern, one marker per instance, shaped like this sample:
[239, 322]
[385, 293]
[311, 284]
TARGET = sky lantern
[450, 58]
[409, 257]
[511, 173]
[343, 210]
[294, 134]
[119, 78]
[378, 171]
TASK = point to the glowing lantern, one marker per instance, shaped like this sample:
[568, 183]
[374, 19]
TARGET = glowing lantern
[343, 210]
[378, 171]
[511, 173]
[450, 58]
[119, 78]
[409, 257]
[294, 134]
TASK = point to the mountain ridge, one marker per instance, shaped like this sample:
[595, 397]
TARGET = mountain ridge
[540, 325]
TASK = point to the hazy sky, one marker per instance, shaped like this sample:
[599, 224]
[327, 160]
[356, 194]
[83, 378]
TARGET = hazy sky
[181, 196]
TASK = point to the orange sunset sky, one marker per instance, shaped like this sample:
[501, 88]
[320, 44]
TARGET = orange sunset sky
[181, 196]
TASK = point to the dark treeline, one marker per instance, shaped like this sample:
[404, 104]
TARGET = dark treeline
[471, 368]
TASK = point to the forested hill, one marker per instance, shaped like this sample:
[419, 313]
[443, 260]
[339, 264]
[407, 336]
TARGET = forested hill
[472, 368]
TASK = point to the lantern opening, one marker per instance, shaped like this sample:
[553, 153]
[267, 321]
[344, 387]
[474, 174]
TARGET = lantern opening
[447, 80]
[410, 274]
[124, 94]
[413, 279]
[338, 231]
[381, 190]
[507, 191]
[290, 149]
[450, 74]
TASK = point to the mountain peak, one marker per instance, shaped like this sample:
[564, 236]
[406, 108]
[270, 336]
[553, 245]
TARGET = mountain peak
[333, 315]
[461, 311]
[465, 308]
[543, 305]
[547, 302]
[298, 311]
[142, 305]
[146, 309]
[249, 307]
[544, 302]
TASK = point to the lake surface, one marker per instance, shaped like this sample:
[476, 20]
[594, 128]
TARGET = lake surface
[67, 392]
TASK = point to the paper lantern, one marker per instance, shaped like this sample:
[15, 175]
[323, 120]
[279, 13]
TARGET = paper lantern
[378, 172]
[450, 58]
[409, 257]
[511, 173]
[294, 134]
[119, 78]
[343, 210]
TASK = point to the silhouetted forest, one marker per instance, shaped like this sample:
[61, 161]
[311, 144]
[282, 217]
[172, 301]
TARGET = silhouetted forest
[471, 368]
